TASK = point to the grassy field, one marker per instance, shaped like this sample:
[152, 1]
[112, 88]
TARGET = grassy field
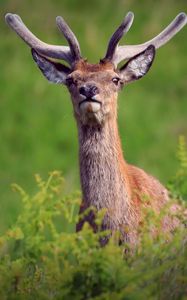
[37, 129]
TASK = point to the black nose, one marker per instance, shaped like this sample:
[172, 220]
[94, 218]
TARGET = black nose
[89, 90]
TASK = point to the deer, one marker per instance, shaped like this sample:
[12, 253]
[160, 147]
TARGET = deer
[107, 180]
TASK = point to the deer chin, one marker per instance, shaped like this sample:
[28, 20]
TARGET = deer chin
[91, 112]
[89, 106]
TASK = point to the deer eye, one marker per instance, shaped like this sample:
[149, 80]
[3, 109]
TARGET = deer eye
[115, 80]
[70, 81]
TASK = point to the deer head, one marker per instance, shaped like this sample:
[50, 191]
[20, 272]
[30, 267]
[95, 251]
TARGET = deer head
[94, 87]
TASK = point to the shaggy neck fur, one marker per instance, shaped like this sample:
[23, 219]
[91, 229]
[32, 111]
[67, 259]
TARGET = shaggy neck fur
[102, 173]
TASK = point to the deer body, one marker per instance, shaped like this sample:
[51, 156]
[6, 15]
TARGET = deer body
[107, 180]
[104, 178]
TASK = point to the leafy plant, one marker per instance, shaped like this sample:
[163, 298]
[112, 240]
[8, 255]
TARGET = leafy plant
[41, 256]
[178, 185]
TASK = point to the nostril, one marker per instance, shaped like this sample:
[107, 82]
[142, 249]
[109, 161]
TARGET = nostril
[88, 90]
[95, 90]
[82, 90]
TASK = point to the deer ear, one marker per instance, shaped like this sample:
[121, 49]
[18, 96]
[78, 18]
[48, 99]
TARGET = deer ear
[138, 65]
[53, 71]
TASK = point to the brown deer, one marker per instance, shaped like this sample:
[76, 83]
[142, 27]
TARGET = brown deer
[107, 180]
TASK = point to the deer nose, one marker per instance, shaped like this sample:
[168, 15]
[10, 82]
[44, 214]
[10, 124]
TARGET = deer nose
[89, 90]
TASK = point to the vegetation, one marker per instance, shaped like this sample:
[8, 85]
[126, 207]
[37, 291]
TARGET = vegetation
[37, 129]
[178, 185]
[41, 257]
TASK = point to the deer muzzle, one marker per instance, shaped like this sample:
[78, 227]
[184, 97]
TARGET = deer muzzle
[89, 103]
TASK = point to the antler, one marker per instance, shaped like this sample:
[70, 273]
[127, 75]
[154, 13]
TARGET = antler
[69, 54]
[70, 37]
[116, 54]
[122, 29]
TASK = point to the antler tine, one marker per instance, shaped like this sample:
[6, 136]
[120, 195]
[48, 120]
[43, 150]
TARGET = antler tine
[126, 52]
[121, 30]
[59, 52]
[70, 37]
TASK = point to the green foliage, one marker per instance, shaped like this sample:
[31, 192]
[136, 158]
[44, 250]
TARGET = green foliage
[178, 185]
[41, 256]
[37, 127]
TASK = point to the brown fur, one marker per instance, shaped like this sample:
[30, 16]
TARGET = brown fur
[84, 66]
[107, 180]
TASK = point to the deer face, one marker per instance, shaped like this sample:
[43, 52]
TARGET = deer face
[94, 88]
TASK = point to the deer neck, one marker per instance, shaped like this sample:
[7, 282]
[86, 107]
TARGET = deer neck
[102, 168]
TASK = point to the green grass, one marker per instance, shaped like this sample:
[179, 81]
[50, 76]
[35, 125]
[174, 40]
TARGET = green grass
[37, 129]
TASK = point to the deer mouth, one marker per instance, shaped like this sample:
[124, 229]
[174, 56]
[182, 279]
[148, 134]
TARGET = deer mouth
[90, 105]
[89, 100]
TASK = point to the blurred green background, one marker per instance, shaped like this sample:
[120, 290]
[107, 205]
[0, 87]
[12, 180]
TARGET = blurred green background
[37, 128]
